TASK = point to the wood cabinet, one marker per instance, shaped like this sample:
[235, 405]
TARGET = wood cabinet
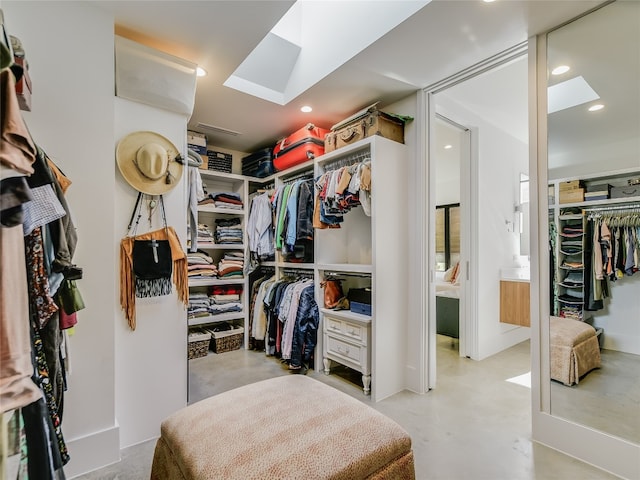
[514, 303]
[347, 340]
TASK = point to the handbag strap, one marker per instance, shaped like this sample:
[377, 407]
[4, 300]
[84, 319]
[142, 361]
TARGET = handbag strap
[136, 209]
[164, 214]
[136, 214]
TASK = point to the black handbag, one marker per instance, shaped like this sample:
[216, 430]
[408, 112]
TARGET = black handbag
[152, 260]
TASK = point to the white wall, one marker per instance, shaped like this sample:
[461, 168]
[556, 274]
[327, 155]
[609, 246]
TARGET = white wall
[416, 337]
[620, 319]
[70, 49]
[122, 383]
[501, 160]
[151, 362]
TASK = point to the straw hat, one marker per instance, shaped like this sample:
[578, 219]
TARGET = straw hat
[149, 162]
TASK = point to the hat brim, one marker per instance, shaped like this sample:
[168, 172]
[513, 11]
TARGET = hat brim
[126, 154]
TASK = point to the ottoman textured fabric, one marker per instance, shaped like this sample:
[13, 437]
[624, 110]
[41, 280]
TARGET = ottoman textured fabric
[290, 427]
[573, 349]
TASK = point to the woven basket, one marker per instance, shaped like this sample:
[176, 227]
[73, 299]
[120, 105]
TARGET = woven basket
[226, 341]
[198, 344]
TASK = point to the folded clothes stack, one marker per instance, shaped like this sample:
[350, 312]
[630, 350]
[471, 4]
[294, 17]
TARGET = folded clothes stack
[228, 231]
[199, 264]
[228, 200]
[231, 265]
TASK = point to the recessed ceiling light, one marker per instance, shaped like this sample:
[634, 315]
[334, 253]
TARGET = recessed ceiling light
[201, 72]
[488, 1]
[559, 70]
[306, 109]
[447, 147]
[596, 107]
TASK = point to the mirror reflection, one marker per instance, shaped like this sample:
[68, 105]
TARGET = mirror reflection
[594, 219]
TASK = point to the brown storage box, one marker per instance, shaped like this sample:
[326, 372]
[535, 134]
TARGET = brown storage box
[572, 185]
[572, 196]
[370, 122]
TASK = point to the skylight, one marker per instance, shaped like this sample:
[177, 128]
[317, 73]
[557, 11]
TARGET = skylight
[312, 40]
[570, 93]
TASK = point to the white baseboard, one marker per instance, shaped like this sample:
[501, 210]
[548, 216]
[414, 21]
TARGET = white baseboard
[93, 451]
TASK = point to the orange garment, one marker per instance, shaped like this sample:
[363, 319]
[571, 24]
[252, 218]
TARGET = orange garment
[62, 179]
[127, 281]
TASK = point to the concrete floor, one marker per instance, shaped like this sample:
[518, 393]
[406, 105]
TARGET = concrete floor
[474, 425]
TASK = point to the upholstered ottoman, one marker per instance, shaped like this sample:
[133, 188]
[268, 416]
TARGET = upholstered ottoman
[573, 349]
[290, 427]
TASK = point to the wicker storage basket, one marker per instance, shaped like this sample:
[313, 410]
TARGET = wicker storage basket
[198, 343]
[227, 340]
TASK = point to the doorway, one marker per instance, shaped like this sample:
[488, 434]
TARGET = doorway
[491, 106]
[449, 185]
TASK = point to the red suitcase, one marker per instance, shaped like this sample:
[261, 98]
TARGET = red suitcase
[302, 145]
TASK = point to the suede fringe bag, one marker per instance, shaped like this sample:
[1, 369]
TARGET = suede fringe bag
[146, 264]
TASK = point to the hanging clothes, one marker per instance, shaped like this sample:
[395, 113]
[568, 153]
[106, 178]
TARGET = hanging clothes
[260, 228]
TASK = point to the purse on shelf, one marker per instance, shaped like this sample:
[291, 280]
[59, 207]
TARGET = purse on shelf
[152, 260]
[333, 292]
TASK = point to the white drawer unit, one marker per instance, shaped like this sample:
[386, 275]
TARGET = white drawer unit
[347, 340]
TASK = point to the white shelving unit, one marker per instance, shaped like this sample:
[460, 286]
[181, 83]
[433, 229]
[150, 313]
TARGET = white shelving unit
[222, 182]
[369, 250]
[366, 251]
[562, 214]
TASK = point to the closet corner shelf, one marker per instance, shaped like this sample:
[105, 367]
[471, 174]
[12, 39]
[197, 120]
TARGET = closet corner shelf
[206, 282]
[346, 267]
[221, 317]
[308, 165]
[346, 315]
[221, 175]
[608, 201]
[305, 266]
[212, 209]
[570, 216]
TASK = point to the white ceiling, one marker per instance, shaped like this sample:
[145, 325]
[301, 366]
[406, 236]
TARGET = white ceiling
[442, 38]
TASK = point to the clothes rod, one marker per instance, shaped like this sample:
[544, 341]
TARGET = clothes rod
[632, 208]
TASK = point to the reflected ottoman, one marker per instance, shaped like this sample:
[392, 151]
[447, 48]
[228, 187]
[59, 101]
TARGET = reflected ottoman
[282, 428]
[573, 349]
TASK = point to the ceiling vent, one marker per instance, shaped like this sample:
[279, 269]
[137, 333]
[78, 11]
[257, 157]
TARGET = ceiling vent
[213, 128]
